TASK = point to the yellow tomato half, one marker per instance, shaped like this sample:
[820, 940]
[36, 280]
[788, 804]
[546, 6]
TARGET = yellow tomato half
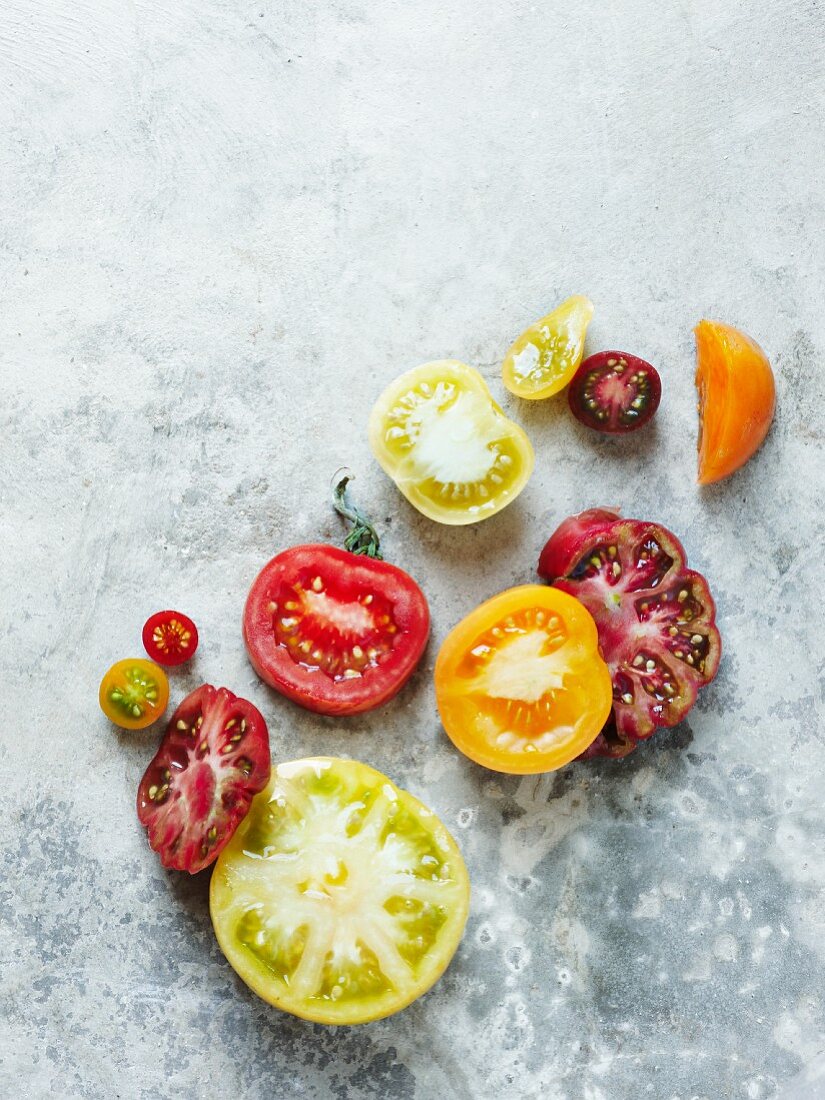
[520, 684]
[340, 898]
[545, 357]
[447, 445]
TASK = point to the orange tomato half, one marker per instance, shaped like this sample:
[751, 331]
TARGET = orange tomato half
[520, 683]
[737, 398]
[134, 693]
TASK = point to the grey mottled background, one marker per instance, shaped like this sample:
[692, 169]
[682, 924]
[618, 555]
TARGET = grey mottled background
[225, 227]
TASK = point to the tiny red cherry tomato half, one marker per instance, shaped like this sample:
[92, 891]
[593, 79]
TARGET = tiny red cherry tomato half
[214, 757]
[170, 638]
[614, 392]
[336, 632]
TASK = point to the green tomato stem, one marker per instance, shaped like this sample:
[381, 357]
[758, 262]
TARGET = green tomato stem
[362, 538]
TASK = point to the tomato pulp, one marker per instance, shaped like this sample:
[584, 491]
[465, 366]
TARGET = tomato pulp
[335, 631]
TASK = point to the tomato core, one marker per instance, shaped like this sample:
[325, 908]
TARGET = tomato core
[341, 637]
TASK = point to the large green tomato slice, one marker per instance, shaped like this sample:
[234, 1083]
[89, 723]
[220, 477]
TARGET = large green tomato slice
[340, 898]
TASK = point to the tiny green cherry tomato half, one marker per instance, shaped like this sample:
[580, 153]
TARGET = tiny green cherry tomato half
[134, 693]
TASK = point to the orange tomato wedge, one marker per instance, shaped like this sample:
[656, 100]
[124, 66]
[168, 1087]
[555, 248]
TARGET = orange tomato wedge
[520, 684]
[737, 398]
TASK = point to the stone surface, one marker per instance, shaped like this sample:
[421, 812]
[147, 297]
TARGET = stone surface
[226, 226]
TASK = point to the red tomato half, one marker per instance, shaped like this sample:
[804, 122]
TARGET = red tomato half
[214, 757]
[334, 631]
[170, 638]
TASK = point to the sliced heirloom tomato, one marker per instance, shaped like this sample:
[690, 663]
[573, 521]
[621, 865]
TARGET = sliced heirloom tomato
[519, 683]
[341, 898]
[212, 760]
[614, 392]
[655, 617]
[170, 638]
[134, 693]
[547, 355]
[447, 445]
[737, 399]
[337, 631]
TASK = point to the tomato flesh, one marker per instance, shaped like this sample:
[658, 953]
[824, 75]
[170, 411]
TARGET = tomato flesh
[134, 693]
[341, 898]
[737, 399]
[520, 684]
[546, 356]
[212, 760]
[336, 632]
[655, 618]
[447, 445]
[615, 392]
[170, 638]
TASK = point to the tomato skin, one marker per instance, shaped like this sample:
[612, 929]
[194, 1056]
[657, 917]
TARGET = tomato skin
[737, 399]
[346, 575]
[170, 638]
[656, 619]
[447, 445]
[523, 708]
[126, 685]
[212, 760]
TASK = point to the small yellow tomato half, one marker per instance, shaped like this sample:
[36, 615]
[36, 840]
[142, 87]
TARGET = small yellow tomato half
[520, 684]
[340, 898]
[447, 445]
[134, 693]
[545, 357]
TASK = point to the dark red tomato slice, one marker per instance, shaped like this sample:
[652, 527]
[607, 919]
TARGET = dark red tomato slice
[335, 631]
[213, 759]
[170, 638]
[655, 617]
[614, 392]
